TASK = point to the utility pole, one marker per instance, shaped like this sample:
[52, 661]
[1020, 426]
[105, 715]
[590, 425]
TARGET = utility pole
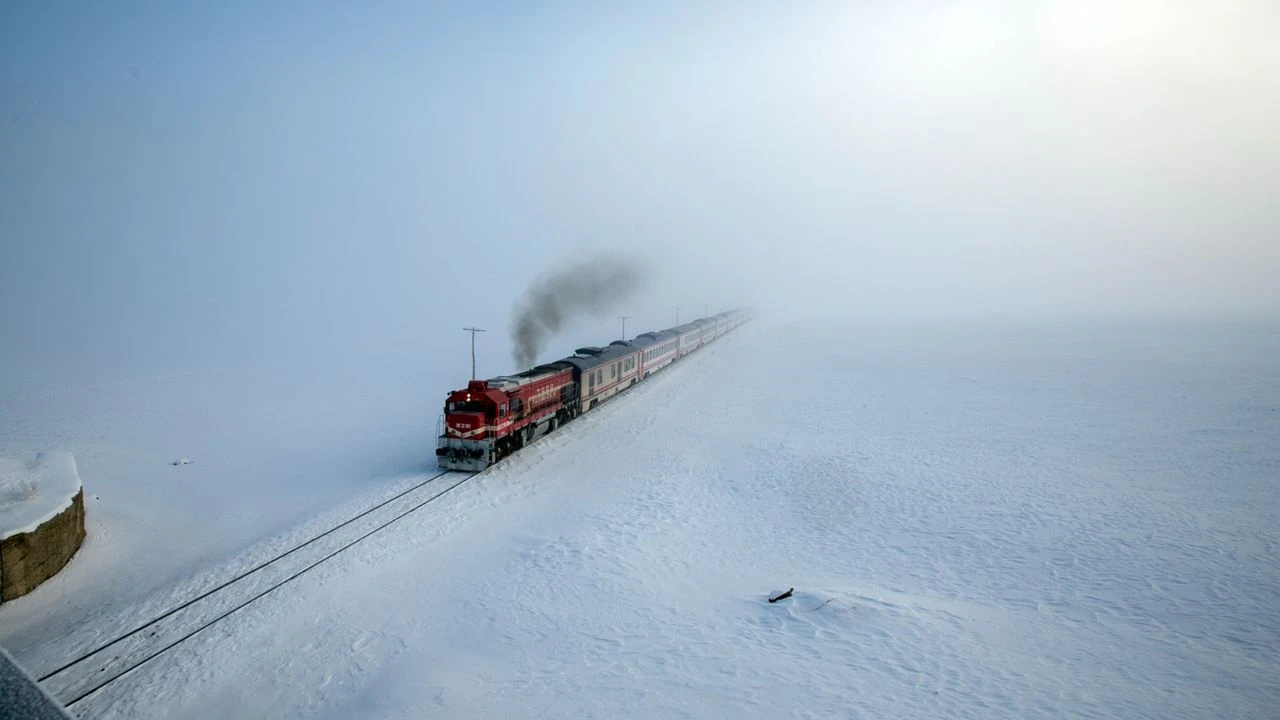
[473, 332]
[677, 316]
[623, 318]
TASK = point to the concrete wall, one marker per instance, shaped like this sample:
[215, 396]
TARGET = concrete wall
[28, 559]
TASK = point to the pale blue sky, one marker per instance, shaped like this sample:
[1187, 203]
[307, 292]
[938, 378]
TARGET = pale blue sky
[190, 183]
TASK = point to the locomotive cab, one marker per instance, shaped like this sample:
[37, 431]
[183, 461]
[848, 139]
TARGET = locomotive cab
[471, 419]
[475, 412]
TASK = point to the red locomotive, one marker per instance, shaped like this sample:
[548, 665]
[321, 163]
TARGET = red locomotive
[491, 419]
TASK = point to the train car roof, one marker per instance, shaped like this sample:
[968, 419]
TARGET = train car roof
[644, 340]
[606, 355]
[520, 378]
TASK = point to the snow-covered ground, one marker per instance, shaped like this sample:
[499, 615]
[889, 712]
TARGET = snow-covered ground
[1003, 522]
[271, 444]
[33, 491]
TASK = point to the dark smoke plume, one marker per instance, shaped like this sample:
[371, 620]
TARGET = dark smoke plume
[592, 287]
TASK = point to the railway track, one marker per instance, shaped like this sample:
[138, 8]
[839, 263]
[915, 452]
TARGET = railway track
[95, 669]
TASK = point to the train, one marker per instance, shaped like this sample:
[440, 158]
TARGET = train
[489, 420]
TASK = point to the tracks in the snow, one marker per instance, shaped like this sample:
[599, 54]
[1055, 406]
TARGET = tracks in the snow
[93, 670]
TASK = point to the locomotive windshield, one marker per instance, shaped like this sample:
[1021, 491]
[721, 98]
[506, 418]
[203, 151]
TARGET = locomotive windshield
[472, 406]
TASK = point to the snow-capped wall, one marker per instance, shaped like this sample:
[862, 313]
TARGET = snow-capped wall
[41, 520]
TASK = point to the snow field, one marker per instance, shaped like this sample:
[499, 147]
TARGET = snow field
[1020, 524]
[278, 448]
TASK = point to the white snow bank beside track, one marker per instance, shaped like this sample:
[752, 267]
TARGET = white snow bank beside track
[33, 492]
